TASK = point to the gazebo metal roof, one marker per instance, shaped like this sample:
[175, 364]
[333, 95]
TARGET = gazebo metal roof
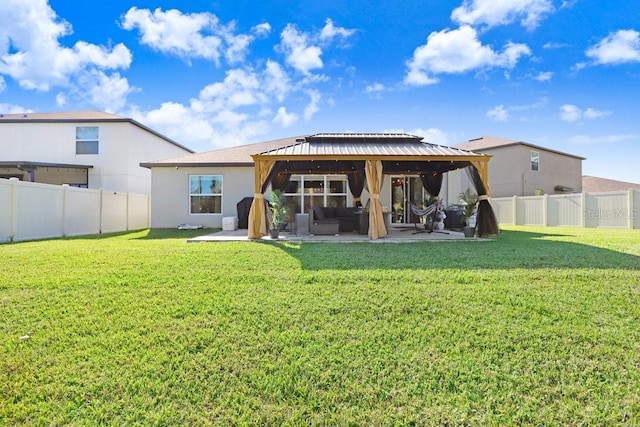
[367, 145]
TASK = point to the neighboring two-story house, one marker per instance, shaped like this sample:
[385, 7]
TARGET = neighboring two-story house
[89, 149]
[523, 169]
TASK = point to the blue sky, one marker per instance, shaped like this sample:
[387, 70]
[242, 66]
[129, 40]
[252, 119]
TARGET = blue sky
[564, 74]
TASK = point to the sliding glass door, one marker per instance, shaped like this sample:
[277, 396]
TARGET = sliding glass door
[405, 190]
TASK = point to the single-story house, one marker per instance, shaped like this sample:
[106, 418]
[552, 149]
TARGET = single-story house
[327, 169]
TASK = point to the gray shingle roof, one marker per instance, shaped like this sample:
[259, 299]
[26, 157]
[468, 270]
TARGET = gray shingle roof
[488, 143]
[231, 156]
[594, 184]
[62, 116]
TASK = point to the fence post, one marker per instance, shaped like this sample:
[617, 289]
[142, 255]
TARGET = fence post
[127, 210]
[583, 209]
[515, 210]
[101, 207]
[545, 210]
[13, 216]
[630, 208]
[65, 191]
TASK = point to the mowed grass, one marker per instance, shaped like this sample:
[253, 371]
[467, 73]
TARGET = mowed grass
[539, 327]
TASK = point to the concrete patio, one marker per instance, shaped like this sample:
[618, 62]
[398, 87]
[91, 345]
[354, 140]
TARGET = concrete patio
[396, 235]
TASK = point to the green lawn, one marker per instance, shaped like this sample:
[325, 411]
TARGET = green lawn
[540, 326]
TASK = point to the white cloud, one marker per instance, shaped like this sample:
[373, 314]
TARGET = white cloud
[303, 51]
[276, 80]
[492, 13]
[179, 122]
[61, 100]
[544, 76]
[312, 107]
[232, 111]
[430, 135]
[592, 113]
[498, 114]
[3, 84]
[604, 139]
[285, 119]
[32, 55]
[262, 29]
[13, 109]
[458, 51]
[620, 47]
[189, 35]
[330, 31]
[239, 88]
[375, 88]
[540, 103]
[109, 93]
[554, 45]
[201, 130]
[572, 113]
[299, 53]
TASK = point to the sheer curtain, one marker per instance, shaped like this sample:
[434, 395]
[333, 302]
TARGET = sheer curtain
[486, 223]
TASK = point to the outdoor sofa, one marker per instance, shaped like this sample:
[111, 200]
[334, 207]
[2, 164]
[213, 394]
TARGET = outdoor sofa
[333, 220]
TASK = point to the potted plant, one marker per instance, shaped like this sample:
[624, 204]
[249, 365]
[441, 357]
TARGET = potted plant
[279, 212]
[469, 201]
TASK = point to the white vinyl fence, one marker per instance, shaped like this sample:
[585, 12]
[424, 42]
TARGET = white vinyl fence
[614, 209]
[31, 211]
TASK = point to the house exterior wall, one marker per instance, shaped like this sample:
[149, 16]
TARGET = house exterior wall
[170, 195]
[122, 147]
[510, 172]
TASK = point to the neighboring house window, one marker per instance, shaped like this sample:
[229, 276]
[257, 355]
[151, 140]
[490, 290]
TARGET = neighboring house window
[205, 194]
[535, 161]
[306, 191]
[87, 140]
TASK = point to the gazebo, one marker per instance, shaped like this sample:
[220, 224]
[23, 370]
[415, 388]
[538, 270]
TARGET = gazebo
[366, 157]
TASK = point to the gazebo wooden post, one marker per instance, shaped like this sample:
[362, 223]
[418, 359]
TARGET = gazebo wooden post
[483, 169]
[373, 171]
[257, 219]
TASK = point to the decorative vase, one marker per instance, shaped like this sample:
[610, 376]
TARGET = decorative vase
[469, 231]
[274, 232]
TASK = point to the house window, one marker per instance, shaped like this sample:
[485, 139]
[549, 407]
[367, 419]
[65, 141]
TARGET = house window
[306, 191]
[205, 194]
[535, 161]
[87, 140]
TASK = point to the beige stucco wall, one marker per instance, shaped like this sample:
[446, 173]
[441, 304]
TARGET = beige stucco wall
[170, 195]
[510, 172]
[122, 147]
